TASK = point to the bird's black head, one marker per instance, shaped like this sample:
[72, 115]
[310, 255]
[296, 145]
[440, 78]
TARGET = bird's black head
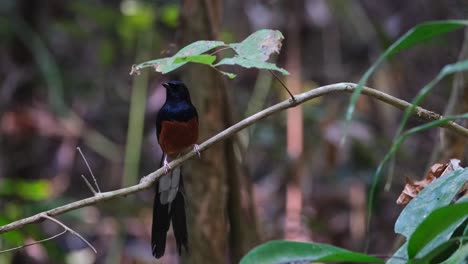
[176, 90]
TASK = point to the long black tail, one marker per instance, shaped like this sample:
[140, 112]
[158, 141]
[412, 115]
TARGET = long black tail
[179, 220]
[161, 221]
[162, 216]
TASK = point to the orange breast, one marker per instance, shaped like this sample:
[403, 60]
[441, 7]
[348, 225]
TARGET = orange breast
[175, 137]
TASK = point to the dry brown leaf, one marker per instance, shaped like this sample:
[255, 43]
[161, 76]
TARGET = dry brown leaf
[412, 188]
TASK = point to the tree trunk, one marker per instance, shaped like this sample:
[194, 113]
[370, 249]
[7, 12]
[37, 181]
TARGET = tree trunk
[213, 183]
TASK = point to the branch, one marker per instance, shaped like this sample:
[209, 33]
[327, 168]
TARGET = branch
[33, 243]
[90, 172]
[65, 229]
[147, 181]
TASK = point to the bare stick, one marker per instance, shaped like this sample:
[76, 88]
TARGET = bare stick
[90, 171]
[69, 230]
[33, 243]
[88, 184]
[148, 180]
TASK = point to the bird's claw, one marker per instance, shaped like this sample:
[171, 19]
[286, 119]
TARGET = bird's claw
[196, 148]
[166, 167]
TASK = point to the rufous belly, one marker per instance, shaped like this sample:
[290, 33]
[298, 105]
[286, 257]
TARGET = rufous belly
[175, 136]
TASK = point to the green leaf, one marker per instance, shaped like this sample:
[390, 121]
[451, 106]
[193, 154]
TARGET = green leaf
[290, 251]
[424, 32]
[250, 63]
[419, 34]
[260, 45]
[255, 50]
[438, 221]
[169, 64]
[203, 59]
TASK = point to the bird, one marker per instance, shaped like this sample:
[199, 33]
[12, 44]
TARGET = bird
[177, 132]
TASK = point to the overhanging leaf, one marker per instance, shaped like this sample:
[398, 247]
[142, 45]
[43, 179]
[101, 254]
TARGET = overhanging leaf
[291, 252]
[438, 221]
[260, 45]
[253, 52]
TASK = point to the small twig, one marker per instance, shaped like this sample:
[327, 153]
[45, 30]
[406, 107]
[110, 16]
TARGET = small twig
[90, 171]
[33, 243]
[69, 230]
[88, 184]
[283, 84]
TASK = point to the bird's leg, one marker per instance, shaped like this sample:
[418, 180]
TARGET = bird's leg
[196, 148]
[166, 165]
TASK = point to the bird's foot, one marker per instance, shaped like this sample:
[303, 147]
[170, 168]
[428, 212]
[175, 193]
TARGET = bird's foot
[196, 148]
[166, 166]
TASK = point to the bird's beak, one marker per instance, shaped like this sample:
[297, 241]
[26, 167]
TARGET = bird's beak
[166, 85]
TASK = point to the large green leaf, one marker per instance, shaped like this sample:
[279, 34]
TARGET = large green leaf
[292, 252]
[419, 34]
[437, 222]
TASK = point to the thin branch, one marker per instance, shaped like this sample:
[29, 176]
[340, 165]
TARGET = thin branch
[89, 184]
[69, 230]
[90, 171]
[283, 84]
[147, 181]
[33, 243]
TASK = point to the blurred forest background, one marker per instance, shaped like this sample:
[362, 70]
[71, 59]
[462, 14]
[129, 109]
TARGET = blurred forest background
[65, 83]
